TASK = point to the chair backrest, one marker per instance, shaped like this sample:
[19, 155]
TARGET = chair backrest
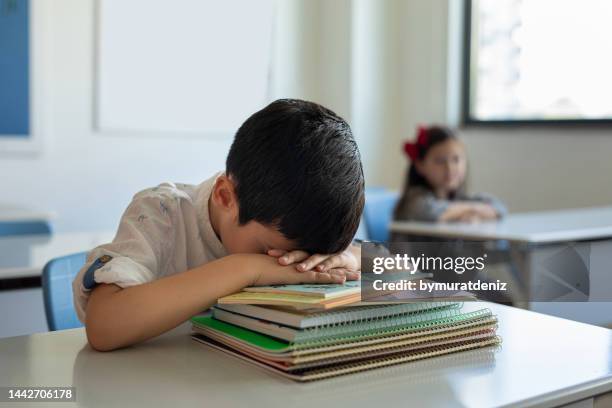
[378, 212]
[13, 228]
[57, 278]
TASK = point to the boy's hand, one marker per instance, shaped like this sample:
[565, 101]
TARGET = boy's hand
[347, 261]
[293, 277]
[267, 271]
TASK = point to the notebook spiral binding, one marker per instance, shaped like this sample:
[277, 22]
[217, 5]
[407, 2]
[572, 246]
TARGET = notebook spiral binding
[395, 359]
[485, 321]
[384, 325]
[421, 371]
[415, 344]
[370, 312]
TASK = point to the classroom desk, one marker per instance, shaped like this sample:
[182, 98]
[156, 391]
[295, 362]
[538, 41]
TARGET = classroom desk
[532, 228]
[26, 255]
[13, 213]
[579, 240]
[544, 361]
[22, 259]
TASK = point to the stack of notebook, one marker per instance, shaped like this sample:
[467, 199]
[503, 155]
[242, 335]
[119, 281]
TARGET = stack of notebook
[299, 297]
[293, 331]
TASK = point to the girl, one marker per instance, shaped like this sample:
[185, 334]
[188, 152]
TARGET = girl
[435, 185]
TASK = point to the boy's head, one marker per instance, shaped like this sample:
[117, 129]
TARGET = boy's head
[294, 173]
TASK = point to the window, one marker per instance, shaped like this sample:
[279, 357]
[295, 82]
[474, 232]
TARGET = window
[538, 61]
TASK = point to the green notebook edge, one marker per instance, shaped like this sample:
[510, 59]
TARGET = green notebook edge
[257, 339]
[272, 344]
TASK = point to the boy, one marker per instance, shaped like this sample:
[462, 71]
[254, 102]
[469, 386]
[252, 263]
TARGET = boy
[293, 186]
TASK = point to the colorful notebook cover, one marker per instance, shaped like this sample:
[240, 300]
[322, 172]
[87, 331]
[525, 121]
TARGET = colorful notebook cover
[326, 359]
[318, 373]
[301, 319]
[289, 300]
[206, 324]
[320, 291]
[290, 350]
[319, 333]
[384, 345]
[347, 347]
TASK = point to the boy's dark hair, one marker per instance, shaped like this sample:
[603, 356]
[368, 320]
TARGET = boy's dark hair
[296, 166]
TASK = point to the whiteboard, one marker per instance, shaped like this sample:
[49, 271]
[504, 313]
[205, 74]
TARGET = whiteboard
[182, 65]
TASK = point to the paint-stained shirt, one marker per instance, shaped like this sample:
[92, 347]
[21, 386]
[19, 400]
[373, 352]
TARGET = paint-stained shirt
[165, 230]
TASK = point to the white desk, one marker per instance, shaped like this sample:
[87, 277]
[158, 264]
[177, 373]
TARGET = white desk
[534, 228]
[22, 259]
[538, 236]
[25, 255]
[544, 361]
[13, 213]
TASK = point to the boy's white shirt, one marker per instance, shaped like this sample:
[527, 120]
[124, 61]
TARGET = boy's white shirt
[165, 230]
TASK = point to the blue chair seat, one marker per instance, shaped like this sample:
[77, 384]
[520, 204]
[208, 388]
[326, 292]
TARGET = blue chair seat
[57, 278]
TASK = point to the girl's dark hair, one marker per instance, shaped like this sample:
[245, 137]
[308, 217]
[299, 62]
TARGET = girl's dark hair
[435, 135]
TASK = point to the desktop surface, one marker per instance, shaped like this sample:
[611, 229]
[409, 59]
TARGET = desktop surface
[533, 227]
[543, 361]
[25, 255]
[13, 213]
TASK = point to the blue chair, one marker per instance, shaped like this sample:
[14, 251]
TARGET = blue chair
[361, 234]
[378, 212]
[57, 278]
[13, 228]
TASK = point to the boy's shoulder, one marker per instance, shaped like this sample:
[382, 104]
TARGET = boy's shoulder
[169, 190]
[168, 198]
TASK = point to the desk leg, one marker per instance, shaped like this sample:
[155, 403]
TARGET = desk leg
[569, 280]
[603, 400]
[520, 266]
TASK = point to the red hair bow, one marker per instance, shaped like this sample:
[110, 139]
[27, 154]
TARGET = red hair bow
[412, 148]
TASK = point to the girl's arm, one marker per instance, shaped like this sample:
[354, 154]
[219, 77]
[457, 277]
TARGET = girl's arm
[468, 211]
[119, 317]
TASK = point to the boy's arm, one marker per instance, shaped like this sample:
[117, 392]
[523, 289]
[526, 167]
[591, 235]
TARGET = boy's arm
[119, 317]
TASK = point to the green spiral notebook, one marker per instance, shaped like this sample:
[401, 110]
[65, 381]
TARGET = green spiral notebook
[355, 363]
[383, 345]
[300, 319]
[337, 335]
[337, 349]
[339, 328]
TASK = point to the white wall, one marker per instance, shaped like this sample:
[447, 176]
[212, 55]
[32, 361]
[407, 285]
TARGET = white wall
[324, 51]
[536, 169]
[383, 64]
[530, 168]
[88, 178]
